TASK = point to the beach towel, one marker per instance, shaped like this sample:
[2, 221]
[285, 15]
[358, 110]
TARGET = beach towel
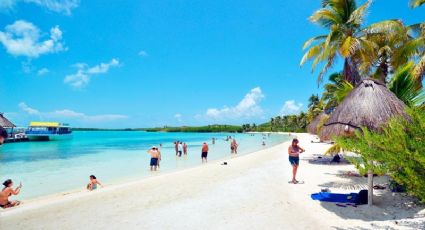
[335, 197]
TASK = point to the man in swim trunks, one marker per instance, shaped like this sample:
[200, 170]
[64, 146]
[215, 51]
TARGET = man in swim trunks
[204, 154]
[8, 191]
[294, 152]
[3, 135]
[155, 155]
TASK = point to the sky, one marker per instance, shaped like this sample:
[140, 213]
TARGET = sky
[139, 63]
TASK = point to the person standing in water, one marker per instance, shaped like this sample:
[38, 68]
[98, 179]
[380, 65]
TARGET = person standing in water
[234, 146]
[155, 157]
[176, 147]
[8, 191]
[204, 154]
[179, 148]
[294, 152]
[93, 183]
[185, 148]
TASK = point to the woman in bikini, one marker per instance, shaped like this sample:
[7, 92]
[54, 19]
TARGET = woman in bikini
[294, 152]
[8, 191]
[93, 183]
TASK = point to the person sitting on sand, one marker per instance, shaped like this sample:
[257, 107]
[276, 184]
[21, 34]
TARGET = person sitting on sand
[204, 154]
[8, 191]
[294, 152]
[93, 183]
[3, 135]
[155, 157]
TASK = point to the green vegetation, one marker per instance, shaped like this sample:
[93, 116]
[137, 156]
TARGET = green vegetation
[399, 150]
[98, 129]
[289, 123]
[391, 53]
[198, 129]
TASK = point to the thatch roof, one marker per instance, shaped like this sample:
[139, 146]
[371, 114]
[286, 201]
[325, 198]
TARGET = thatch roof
[369, 105]
[4, 122]
[312, 127]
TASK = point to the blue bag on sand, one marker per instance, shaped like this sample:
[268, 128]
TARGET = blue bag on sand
[335, 197]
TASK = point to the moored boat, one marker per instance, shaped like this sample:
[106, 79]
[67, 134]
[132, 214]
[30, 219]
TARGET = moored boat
[48, 131]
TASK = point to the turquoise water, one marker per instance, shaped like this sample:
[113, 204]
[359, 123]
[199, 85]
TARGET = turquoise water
[46, 168]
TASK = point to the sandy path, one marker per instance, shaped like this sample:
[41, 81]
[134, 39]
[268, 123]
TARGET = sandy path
[251, 192]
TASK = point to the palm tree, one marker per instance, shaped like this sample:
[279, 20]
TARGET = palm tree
[416, 3]
[335, 91]
[343, 19]
[405, 87]
[313, 100]
[417, 48]
[389, 49]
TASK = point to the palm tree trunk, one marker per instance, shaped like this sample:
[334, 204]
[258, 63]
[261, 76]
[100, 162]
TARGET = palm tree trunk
[351, 74]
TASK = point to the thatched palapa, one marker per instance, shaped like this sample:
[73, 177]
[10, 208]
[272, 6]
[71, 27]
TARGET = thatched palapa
[369, 105]
[5, 123]
[312, 127]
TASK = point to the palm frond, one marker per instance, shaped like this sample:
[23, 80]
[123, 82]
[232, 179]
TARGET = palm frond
[314, 51]
[416, 3]
[358, 15]
[405, 86]
[419, 70]
[311, 40]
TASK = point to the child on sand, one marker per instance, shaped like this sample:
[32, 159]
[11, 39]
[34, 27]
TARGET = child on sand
[93, 183]
[8, 191]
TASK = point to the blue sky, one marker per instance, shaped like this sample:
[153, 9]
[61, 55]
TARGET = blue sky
[153, 63]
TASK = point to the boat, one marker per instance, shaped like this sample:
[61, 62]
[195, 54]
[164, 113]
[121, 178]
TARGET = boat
[48, 131]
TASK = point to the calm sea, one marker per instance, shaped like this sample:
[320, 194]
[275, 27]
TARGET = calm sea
[46, 168]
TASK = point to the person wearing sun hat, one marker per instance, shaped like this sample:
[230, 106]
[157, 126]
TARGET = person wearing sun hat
[155, 157]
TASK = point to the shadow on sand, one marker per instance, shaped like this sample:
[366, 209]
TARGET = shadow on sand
[398, 208]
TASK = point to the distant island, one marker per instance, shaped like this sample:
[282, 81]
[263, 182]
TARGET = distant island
[288, 123]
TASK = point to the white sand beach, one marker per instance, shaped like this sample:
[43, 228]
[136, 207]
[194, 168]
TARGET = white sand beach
[251, 192]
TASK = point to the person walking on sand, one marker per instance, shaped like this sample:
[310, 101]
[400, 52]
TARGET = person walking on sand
[204, 154]
[185, 148]
[294, 152]
[155, 157]
[92, 185]
[8, 191]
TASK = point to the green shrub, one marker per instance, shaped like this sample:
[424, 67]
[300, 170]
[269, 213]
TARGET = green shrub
[399, 150]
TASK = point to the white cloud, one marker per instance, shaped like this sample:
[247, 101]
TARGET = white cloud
[290, 107]
[23, 38]
[143, 53]
[103, 67]
[248, 107]
[59, 6]
[42, 72]
[66, 113]
[70, 114]
[7, 4]
[82, 77]
[178, 117]
[31, 111]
